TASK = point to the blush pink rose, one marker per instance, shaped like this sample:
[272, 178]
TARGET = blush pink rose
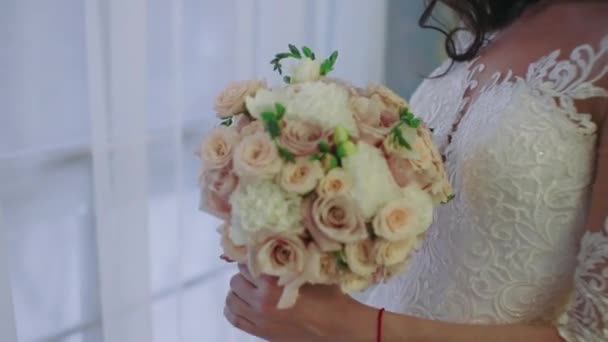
[302, 138]
[282, 256]
[214, 204]
[373, 119]
[334, 220]
[257, 157]
[218, 147]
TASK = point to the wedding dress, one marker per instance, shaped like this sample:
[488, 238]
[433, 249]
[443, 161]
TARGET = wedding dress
[521, 158]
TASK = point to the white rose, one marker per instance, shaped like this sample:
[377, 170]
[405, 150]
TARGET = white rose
[336, 182]
[306, 70]
[373, 183]
[232, 252]
[405, 217]
[265, 100]
[354, 283]
[360, 257]
[389, 253]
[300, 177]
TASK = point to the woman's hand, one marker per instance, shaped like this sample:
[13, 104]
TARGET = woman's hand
[320, 312]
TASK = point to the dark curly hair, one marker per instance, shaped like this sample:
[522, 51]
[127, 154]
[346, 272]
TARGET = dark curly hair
[480, 17]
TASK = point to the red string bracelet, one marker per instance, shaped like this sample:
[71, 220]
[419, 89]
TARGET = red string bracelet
[379, 325]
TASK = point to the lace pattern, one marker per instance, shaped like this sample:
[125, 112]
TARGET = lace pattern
[587, 316]
[504, 250]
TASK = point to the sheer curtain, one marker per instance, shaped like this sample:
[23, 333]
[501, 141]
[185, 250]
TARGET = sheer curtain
[102, 104]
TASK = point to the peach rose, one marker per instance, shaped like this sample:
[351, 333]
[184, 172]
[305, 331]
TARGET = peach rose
[338, 219]
[390, 253]
[302, 138]
[336, 182]
[257, 156]
[217, 148]
[360, 258]
[300, 177]
[405, 217]
[231, 252]
[232, 100]
[325, 243]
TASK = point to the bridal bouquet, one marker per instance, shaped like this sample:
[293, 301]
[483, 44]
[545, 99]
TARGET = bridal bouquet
[318, 181]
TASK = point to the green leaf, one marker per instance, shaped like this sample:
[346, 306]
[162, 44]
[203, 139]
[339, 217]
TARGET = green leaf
[227, 122]
[450, 198]
[333, 58]
[273, 128]
[287, 79]
[286, 154]
[313, 56]
[325, 67]
[280, 110]
[268, 116]
[294, 51]
[341, 259]
[323, 146]
[415, 123]
[398, 138]
[317, 156]
[282, 55]
[308, 52]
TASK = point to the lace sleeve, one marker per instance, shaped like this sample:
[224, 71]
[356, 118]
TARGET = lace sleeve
[586, 318]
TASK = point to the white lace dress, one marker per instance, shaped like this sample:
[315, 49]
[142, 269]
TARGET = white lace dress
[521, 159]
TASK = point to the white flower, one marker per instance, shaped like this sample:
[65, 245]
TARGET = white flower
[323, 103]
[306, 70]
[263, 207]
[373, 183]
[265, 100]
[405, 217]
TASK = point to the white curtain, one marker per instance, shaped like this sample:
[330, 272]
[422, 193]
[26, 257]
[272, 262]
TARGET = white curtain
[102, 104]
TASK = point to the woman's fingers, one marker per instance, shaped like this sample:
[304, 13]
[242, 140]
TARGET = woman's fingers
[240, 322]
[242, 287]
[244, 270]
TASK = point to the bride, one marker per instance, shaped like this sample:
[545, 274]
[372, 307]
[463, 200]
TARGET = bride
[520, 113]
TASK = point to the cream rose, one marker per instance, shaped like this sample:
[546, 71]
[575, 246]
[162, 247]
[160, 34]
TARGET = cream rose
[322, 267]
[336, 182]
[231, 251]
[355, 283]
[217, 148]
[257, 157]
[391, 100]
[389, 253]
[405, 217]
[302, 138]
[300, 177]
[232, 100]
[253, 127]
[306, 70]
[360, 258]
[339, 219]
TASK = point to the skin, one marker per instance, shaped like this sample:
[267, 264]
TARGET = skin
[323, 313]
